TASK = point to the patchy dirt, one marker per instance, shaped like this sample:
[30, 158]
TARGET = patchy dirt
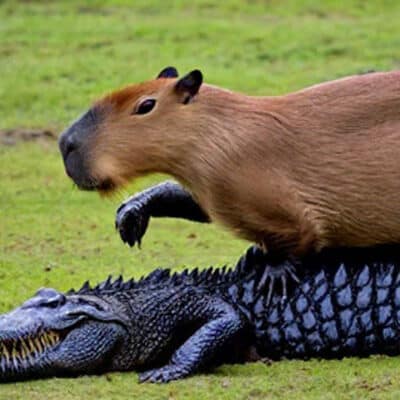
[10, 137]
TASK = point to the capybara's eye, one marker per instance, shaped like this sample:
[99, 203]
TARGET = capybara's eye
[145, 106]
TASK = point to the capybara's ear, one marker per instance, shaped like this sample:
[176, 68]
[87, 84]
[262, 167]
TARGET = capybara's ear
[168, 72]
[189, 85]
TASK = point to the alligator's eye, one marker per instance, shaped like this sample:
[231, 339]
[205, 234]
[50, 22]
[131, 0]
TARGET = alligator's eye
[52, 304]
[145, 106]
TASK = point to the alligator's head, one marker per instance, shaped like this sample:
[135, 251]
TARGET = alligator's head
[56, 334]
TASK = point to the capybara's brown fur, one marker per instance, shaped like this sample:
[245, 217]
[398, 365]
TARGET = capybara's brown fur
[316, 168]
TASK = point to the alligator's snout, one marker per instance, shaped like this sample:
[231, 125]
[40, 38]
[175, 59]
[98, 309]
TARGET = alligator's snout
[52, 334]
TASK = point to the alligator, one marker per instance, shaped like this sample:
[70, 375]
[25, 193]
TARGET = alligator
[170, 325]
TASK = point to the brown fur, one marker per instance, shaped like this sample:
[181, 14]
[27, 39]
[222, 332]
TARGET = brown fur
[311, 169]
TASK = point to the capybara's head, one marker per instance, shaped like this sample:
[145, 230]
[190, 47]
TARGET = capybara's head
[122, 134]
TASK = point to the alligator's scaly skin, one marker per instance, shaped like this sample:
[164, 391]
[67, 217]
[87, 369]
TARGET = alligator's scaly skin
[169, 326]
[344, 308]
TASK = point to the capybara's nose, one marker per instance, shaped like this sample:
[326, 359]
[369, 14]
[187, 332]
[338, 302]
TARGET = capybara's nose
[73, 144]
[67, 144]
[75, 135]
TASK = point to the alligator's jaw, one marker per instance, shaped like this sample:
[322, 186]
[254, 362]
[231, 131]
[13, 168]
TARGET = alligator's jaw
[56, 334]
[27, 354]
[86, 348]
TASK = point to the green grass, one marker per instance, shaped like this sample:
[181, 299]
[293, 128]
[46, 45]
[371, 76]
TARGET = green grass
[56, 57]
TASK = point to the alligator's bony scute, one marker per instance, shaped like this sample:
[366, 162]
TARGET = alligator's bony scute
[168, 326]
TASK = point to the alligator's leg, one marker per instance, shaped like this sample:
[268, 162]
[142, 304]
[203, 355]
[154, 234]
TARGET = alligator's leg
[168, 199]
[224, 324]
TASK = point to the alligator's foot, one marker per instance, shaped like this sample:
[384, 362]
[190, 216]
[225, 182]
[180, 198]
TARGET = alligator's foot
[131, 221]
[163, 375]
[278, 272]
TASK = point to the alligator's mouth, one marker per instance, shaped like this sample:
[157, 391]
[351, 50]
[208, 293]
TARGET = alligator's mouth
[18, 355]
[52, 334]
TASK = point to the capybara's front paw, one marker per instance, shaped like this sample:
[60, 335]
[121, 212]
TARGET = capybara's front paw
[132, 220]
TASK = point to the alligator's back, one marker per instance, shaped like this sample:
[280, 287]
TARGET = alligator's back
[347, 303]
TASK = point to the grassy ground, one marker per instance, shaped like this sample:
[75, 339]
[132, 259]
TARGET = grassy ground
[56, 57]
